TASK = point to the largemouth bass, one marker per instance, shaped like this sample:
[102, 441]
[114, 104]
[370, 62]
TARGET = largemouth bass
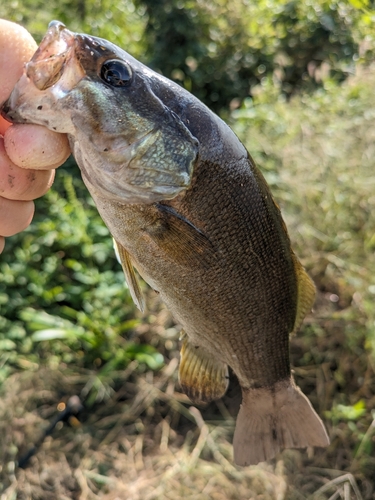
[191, 213]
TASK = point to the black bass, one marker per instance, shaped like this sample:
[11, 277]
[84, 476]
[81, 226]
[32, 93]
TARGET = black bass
[191, 213]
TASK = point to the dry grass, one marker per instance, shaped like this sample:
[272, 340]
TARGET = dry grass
[130, 449]
[145, 441]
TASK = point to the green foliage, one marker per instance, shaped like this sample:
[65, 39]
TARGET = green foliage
[119, 21]
[62, 292]
[220, 51]
[64, 265]
[344, 412]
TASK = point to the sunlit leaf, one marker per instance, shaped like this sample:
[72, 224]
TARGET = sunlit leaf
[50, 334]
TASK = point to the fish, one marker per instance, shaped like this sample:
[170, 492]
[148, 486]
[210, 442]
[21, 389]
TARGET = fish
[193, 216]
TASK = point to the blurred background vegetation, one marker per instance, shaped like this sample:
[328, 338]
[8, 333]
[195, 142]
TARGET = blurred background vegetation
[296, 82]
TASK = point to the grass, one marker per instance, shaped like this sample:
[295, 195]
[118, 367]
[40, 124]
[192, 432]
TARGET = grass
[138, 436]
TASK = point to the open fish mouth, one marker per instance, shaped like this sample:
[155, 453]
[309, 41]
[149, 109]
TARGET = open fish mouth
[51, 73]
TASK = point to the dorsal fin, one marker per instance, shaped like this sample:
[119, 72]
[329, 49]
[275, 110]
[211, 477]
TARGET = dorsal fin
[130, 276]
[306, 294]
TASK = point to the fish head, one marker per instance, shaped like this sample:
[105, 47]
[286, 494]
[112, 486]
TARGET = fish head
[130, 147]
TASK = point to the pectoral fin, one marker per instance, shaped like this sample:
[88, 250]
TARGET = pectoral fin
[306, 294]
[202, 378]
[130, 276]
[179, 239]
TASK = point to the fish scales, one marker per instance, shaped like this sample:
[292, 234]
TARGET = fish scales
[188, 210]
[244, 320]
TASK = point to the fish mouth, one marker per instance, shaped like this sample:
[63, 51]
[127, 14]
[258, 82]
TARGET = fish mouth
[54, 69]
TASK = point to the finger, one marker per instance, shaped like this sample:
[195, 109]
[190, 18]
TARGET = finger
[15, 216]
[17, 47]
[20, 184]
[34, 146]
[49, 150]
[4, 125]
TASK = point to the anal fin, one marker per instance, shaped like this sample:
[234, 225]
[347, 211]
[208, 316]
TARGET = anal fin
[130, 276]
[202, 378]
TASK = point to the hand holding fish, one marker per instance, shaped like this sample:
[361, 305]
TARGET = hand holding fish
[28, 153]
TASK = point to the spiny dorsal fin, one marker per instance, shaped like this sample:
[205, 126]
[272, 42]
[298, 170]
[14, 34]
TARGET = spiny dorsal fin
[130, 276]
[306, 294]
[202, 378]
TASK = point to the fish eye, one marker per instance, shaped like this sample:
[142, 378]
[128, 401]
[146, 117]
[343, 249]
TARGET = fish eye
[116, 73]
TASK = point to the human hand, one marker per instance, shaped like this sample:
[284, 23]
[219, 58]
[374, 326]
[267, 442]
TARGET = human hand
[28, 153]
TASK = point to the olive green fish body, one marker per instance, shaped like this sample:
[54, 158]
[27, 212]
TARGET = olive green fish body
[191, 213]
[237, 298]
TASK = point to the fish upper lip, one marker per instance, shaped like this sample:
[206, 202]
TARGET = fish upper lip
[56, 33]
[47, 64]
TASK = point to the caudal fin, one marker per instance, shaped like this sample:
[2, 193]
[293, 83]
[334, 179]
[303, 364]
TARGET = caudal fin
[273, 418]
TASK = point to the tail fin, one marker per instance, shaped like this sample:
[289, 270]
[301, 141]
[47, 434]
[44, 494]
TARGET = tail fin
[273, 418]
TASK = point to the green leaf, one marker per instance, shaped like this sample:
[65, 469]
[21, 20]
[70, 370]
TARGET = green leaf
[359, 4]
[7, 345]
[50, 334]
[154, 361]
[343, 412]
